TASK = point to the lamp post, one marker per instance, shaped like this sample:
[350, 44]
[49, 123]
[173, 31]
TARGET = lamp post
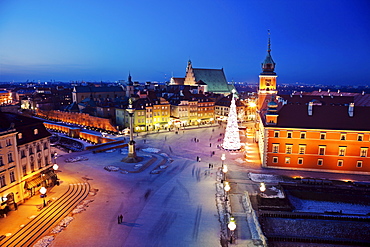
[55, 157]
[43, 194]
[227, 189]
[56, 167]
[224, 167]
[232, 227]
[262, 187]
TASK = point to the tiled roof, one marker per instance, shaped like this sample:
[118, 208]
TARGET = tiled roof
[86, 89]
[325, 100]
[178, 80]
[24, 125]
[214, 78]
[226, 101]
[323, 117]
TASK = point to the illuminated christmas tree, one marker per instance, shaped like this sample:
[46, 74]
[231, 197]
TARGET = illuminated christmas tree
[232, 140]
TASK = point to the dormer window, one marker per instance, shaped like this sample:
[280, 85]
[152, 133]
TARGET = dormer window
[360, 137]
[289, 135]
[35, 131]
[19, 135]
[322, 136]
[342, 137]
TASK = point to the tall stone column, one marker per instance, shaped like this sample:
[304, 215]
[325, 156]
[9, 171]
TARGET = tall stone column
[131, 156]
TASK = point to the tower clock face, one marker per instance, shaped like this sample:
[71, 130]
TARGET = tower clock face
[268, 83]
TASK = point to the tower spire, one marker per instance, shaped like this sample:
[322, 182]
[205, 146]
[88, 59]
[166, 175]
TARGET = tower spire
[268, 66]
[269, 42]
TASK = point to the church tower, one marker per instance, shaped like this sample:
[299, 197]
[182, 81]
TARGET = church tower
[130, 86]
[189, 77]
[267, 85]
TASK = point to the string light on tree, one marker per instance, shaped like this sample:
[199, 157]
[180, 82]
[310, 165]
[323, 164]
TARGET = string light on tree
[232, 139]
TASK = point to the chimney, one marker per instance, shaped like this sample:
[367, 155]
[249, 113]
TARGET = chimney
[310, 105]
[351, 109]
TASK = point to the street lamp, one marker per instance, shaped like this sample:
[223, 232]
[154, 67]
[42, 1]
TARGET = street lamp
[43, 194]
[232, 227]
[226, 188]
[55, 167]
[262, 187]
[224, 167]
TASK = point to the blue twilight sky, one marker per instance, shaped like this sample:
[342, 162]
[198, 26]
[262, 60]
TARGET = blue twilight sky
[312, 41]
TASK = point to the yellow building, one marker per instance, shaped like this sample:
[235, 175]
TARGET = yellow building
[25, 159]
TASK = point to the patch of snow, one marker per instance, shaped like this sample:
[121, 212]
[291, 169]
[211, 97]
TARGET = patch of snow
[239, 160]
[151, 150]
[322, 206]
[45, 241]
[75, 159]
[267, 178]
[137, 166]
[112, 168]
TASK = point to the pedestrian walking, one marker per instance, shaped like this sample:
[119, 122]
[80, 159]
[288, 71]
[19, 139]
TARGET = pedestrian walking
[210, 145]
[198, 158]
[121, 218]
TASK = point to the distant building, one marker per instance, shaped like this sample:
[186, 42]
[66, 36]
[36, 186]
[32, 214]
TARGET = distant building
[206, 80]
[81, 93]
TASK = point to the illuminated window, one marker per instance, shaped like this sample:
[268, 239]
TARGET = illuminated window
[303, 135]
[302, 149]
[322, 136]
[300, 161]
[342, 151]
[10, 158]
[287, 160]
[35, 131]
[2, 181]
[274, 159]
[359, 164]
[12, 176]
[363, 152]
[19, 135]
[320, 162]
[275, 147]
[342, 137]
[288, 148]
[276, 134]
[289, 134]
[360, 137]
[322, 150]
[340, 163]
[8, 142]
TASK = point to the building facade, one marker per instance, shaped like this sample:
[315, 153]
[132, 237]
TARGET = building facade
[25, 159]
[311, 132]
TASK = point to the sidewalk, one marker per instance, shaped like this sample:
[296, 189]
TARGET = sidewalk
[15, 220]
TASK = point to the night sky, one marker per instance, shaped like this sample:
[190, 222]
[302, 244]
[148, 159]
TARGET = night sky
[312, 41]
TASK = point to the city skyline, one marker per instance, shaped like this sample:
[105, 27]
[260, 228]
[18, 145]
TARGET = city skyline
[313, 42]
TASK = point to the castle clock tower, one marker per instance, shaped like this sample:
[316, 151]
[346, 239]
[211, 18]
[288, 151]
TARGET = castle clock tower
[267, 85]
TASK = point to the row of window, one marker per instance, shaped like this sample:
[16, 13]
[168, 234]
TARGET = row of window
[343, 136]
[8, 142]
[2, 179]
[320, 162]
[321, 149]
[10, 159]
[34, 166]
